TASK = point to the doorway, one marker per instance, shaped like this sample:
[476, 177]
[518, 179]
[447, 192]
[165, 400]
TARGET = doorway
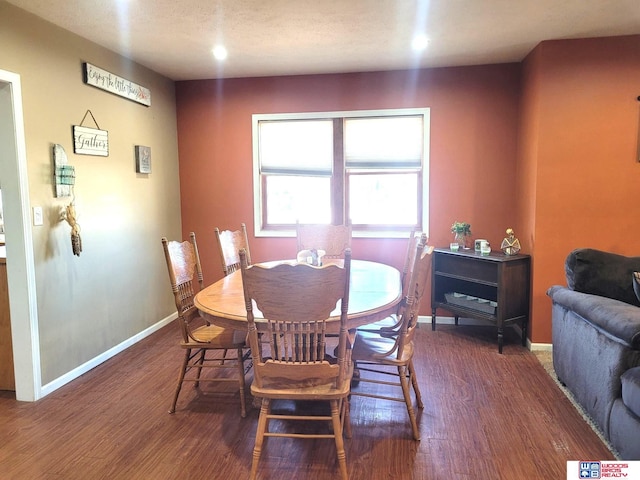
[19, 240]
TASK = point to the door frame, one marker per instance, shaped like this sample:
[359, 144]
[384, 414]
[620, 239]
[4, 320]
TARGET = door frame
[21, 276]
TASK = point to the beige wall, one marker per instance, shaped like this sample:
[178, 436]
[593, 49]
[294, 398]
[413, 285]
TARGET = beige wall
[118, 286]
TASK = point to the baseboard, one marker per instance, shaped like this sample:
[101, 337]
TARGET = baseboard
[474, 321]
[451, 321]
[94, 362]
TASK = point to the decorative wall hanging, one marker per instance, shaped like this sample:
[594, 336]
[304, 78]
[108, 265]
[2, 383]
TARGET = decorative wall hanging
[64, 175]
[69, 214]
[112, 83]
[143, 159]
[90, 141]
[65, 179]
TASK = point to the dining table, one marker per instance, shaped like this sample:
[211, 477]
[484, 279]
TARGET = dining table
[375, 291]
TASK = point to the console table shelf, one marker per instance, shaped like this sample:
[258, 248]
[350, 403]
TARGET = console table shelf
[477, 285]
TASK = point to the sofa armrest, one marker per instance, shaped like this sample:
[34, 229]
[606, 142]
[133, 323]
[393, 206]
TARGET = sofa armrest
[618, 319]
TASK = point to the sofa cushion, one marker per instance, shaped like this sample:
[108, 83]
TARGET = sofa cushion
[636, 284]
[602, 273]
[631, 389]
[618, 319]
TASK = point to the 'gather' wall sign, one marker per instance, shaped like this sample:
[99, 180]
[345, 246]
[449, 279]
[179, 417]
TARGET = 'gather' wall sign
[90, 141]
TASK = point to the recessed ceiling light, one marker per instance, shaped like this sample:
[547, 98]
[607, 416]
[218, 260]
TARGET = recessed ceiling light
[219, 52]
[419, 42]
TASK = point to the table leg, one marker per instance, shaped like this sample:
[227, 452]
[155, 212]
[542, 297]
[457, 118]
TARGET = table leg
[433, 319]
[500, 339]
[355, 380]
[455, 319]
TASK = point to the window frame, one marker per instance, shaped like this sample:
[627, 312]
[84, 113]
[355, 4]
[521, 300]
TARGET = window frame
[338, 116]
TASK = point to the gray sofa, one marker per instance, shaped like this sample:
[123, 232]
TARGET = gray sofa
[596, 343]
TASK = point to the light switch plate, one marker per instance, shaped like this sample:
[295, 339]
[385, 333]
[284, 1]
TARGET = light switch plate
[37, 216]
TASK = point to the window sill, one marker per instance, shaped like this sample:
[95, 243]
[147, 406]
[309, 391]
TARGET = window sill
[355, 234]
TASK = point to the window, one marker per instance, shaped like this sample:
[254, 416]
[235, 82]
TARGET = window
[369, 168]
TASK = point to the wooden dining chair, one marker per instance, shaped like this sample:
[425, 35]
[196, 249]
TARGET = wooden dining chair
[379, 356]
[198, 337]
[333, 239]
[296, 300]
[229, 244]
[391, 324]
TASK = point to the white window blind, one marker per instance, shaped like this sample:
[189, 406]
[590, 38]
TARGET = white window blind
[391, 142]
[296, 147]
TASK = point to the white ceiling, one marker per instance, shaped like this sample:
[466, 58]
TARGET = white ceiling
[289, 37]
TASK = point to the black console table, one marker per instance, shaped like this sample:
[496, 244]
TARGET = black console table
[492, 287]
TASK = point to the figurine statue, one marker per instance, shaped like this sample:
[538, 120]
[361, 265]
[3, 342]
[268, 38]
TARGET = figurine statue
[510, 245]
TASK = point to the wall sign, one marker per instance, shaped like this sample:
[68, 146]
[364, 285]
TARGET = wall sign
[112, 83]
[143, 159]
[90, 141]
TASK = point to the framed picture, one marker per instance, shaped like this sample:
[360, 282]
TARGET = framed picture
[143, 159]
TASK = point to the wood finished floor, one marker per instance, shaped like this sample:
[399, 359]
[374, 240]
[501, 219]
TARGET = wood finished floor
[486, 416]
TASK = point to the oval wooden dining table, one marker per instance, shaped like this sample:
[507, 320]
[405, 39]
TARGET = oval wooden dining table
[374, 293]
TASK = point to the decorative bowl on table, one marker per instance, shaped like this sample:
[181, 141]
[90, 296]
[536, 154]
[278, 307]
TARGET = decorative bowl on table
[312, 257]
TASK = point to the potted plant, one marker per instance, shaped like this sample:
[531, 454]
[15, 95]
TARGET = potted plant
[461, 232]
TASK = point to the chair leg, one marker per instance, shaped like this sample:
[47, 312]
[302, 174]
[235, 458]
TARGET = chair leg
[263, 424]
[200, 363]
[243, 408]
[337, 431]
[406, 391]
[346, 417]
[414, 383]
[183, 370]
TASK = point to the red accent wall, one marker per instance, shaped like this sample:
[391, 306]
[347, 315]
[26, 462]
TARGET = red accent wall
[578, 157]
[472, 152]
[548, 147]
